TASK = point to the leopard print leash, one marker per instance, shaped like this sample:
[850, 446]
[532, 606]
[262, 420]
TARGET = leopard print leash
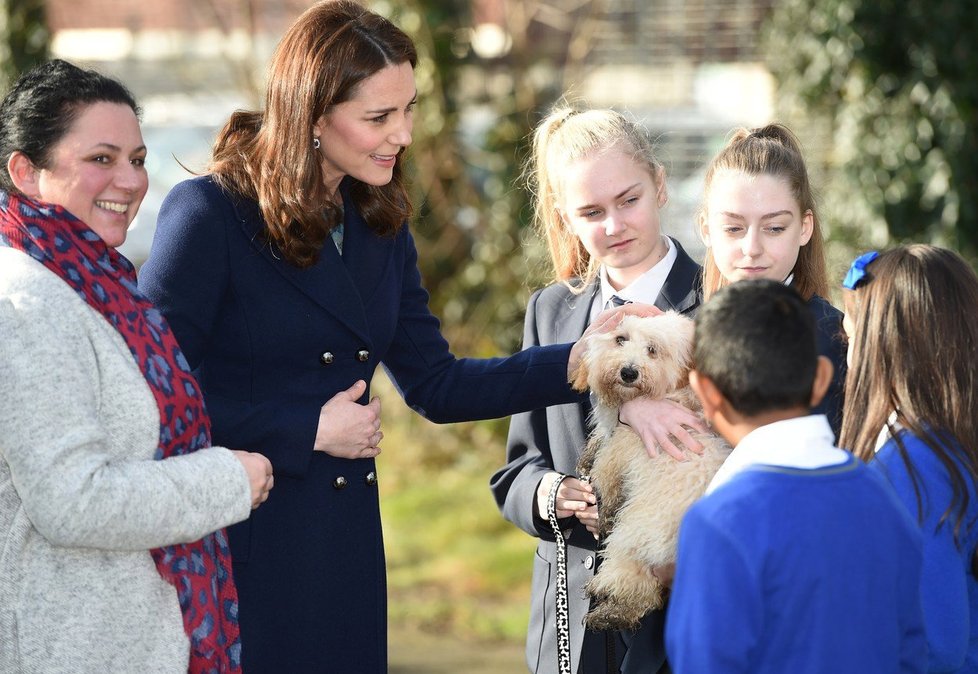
[562, 609]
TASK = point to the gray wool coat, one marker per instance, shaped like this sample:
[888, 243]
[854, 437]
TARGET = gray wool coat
[82, 501]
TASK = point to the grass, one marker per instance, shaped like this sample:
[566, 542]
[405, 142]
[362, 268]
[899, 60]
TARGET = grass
[455, 567]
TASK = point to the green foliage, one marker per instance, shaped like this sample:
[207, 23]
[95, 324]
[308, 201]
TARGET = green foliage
[469, 258]
[24, 37]
[895, 83]
[478, 255]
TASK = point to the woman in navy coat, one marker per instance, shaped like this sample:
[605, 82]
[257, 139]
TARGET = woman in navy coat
[288, 276]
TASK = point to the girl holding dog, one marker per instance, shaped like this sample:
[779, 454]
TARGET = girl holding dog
[912, 411]
[598, 191]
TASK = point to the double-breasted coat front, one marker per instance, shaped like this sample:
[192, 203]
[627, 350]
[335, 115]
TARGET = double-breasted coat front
[270, 343]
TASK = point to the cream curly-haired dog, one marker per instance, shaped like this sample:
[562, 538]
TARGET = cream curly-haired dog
[641, 498]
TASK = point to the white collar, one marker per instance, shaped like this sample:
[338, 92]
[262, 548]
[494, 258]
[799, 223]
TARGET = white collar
[885, 435]
[803, 442]
[646, 288]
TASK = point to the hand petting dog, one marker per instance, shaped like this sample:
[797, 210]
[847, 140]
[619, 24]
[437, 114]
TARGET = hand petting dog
[607, 320]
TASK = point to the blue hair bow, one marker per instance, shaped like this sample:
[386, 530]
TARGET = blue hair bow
[857, 272]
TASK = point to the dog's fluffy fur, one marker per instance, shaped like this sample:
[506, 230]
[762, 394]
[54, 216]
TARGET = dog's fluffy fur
[641, 499]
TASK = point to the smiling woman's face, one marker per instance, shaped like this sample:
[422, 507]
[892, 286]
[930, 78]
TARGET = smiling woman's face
[362, 137]
[96, 170]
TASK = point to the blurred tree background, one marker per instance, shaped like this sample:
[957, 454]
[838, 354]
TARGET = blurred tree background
[882, 93]
[24, 37]
[481, 90]
[892, 85]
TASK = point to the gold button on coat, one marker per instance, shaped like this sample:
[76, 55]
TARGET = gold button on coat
[326, 358]
[363, 355]
[339, 483]
[370, 479]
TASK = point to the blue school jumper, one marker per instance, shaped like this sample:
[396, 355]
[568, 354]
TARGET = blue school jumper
[797, 570]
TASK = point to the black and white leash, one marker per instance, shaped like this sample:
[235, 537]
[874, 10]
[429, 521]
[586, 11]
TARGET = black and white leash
[562, 609]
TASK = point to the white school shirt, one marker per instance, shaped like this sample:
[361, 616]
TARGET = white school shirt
[802, 442]
[885, 435]
[645, 289]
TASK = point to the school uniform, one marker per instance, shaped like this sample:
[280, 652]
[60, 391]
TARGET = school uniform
[270, 344]
[948, 588]
[551, 439]
[798, 559]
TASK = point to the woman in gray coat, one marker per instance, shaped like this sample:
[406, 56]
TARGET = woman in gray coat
[112, 503]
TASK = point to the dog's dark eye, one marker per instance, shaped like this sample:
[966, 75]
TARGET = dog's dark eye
[651, 349]
[620, 340]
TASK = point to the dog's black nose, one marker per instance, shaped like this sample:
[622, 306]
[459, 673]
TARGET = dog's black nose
[629, 374]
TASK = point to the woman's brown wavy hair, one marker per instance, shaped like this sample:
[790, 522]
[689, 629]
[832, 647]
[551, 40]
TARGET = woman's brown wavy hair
[269, 156]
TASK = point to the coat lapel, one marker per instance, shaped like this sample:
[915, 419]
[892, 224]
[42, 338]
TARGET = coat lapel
[366, 256]
[681, 291]
[327, 282]
[570, 321]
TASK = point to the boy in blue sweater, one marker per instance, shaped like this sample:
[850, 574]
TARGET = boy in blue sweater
[799, 558]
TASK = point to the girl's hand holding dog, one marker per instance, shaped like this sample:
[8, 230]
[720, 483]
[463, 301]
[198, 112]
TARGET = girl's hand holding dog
[606, 321]
[590, 519]
[663, 424]
[573, 498]
[348, 429]
[665, 574]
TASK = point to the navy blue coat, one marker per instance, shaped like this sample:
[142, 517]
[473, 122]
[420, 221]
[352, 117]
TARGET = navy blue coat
[309, 563]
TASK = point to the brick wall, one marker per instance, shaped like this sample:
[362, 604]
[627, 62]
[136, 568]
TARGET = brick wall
[190, 15]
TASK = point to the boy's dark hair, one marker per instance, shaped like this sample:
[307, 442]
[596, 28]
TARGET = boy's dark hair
[756, 341]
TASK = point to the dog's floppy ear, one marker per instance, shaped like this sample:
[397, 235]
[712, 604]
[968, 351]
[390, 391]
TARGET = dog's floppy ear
[684, 355]
[578, 379]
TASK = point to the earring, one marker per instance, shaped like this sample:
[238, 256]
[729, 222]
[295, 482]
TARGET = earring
[315, 143]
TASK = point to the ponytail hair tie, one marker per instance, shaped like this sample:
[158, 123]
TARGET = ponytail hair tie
[857, 273]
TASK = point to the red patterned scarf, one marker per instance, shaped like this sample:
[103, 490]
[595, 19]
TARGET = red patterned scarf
[106, 280]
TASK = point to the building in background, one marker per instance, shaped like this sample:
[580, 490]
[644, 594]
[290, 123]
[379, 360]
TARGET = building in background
[190, 63]
[689, 69]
